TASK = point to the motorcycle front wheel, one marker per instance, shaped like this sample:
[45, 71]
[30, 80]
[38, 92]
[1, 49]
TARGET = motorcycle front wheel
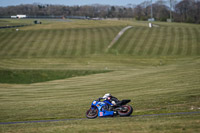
[128, 111]
[92, 113]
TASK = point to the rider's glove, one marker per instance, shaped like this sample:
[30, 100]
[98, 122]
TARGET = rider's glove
[99, 99]
[113, 102]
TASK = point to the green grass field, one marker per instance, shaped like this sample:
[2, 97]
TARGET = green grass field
[157, 68]
[35, 76]
[86, 38]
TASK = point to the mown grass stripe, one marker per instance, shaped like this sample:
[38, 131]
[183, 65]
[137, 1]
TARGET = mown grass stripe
[125, 39]
[84, 42]
[48, 43]
[24, 49]
[163, 45]
[21, 42]
[193, 42]
[130, 42]
[89, 41]
[102, 40]
[3, 39]
[106, 38]
[176, 41]
[167, 41]
[8, 42]
[80, 41]
[172, 41]
[70, 43]
[137, 38]
[13, 42]
[198, 41]
[109, 32]
[46, 37]
[185, 41]
[152, 39]
[93, 39]
[58, 43]
[66, 42]
[3, 35]
[153, 42]
[180, 41]
[62, 44]
[189, 41]
[32, 46]
[159, 42]
[38, 44]
[54, 43]
[197, 36]
[141, 41]
[98, 41]
[145, 42]
[75, 42]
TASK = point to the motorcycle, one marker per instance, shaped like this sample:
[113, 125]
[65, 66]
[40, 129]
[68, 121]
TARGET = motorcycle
[105, 108]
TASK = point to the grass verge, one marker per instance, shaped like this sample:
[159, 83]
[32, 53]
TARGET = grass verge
[35, 76]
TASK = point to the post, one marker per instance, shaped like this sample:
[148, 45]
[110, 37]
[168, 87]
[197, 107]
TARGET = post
[151, 10]
[150, 25]
[171, 10]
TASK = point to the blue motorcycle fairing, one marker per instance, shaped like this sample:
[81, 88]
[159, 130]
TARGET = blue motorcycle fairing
[101, 106]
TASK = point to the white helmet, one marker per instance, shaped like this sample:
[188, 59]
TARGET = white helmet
[107, 95]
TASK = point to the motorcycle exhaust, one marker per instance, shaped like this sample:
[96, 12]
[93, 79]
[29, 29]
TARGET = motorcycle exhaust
[121, 109]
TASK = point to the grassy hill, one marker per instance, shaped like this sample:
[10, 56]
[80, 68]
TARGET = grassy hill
[84, 40]
[161, 41]
[157, 68]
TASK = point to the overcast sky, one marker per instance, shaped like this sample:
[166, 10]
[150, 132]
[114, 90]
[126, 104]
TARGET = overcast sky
[71, 2]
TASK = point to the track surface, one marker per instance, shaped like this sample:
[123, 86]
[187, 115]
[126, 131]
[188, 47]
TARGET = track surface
[41, 121]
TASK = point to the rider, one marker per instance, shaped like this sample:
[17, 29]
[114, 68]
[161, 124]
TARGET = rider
[111, 99]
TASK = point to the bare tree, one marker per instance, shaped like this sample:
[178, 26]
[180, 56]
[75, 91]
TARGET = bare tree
[185, 11]
[180, 11]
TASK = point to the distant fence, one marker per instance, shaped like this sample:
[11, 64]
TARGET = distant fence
[51, 17]
[33, 17]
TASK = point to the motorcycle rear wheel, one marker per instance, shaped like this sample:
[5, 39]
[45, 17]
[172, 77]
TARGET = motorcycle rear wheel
[126, 113]
[92, 113]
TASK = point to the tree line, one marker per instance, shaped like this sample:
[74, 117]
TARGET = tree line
[103, 11]
[179, 11]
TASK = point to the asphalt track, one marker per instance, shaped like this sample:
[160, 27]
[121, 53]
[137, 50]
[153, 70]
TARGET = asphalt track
[58, 120]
